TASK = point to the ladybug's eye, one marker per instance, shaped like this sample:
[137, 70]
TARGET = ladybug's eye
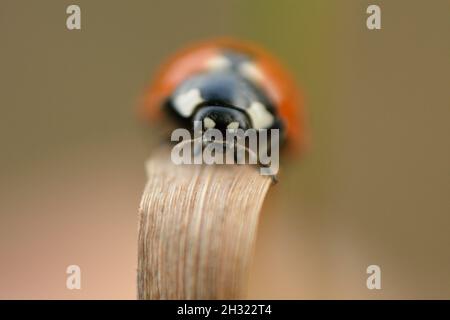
[233, 125]
[208, 123]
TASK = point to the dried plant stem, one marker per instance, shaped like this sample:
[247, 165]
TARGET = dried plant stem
[197, 227]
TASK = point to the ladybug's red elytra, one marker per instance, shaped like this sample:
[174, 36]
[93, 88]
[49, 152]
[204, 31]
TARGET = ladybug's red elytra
[228, 84]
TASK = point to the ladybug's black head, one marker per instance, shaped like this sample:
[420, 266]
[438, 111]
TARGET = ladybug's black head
[222, 118]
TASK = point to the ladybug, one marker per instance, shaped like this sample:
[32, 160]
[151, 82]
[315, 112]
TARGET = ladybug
[227, 84]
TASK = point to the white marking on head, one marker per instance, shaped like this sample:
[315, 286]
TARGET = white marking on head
[261, 118]
[218, 62]
[233, 125]
[185, 103]
[251, 71]
[208, 123]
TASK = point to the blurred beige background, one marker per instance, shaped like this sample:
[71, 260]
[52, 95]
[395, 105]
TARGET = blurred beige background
[374, 188]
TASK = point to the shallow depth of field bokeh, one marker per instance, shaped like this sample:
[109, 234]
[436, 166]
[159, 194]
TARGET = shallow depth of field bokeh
[373, 188]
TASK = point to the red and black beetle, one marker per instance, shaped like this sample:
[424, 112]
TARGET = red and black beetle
[228, 84]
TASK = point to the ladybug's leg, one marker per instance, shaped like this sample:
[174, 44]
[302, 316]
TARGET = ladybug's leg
[251, 153]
